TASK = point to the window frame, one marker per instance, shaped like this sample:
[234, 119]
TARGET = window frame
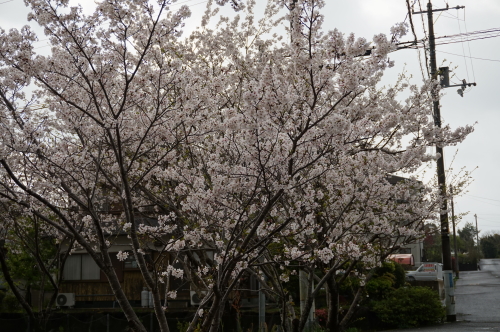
[81, 261]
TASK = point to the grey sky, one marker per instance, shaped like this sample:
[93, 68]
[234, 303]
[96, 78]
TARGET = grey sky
[479, 104]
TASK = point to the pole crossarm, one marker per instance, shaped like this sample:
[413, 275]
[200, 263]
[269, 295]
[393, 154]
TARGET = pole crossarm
[438, 10]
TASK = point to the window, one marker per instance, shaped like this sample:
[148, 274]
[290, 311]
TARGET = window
[130, 262]
[81, 267]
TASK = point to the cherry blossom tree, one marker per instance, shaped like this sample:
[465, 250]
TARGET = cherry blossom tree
[316, 99]
[233, 140]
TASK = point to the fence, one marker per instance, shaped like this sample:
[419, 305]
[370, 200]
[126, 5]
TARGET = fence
[70, 323]
[467, 267]
[86, 322]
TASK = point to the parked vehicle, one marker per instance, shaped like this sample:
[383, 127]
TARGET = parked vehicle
[426, 271]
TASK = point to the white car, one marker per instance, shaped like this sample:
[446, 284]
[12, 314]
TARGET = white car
[426, 271]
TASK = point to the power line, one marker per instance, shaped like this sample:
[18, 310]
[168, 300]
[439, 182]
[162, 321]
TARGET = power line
[470, 55]
[463, 50]
[497, 222]
[1, 3]
[488, 33]
[451, 16]
[35, 48]
[484, 202]
[180, 3]
[495, 60]
[458, 38]
[491, 30]
[425, 38]
[489, 199]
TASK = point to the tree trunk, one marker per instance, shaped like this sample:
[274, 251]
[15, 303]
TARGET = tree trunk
[332, 323]
[210, 315]
[133, 321]
[217, 319]
[295, 325]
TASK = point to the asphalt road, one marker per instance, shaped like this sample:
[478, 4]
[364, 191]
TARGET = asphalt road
[477, 301]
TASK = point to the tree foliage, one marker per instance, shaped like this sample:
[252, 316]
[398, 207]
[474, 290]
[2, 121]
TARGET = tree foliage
[468, 234]
[490, 245]
[31, 262]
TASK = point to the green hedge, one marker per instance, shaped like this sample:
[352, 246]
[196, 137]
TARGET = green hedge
[409, 307]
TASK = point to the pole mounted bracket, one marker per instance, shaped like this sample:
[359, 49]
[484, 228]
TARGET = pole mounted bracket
[439, 10]
[444, 75]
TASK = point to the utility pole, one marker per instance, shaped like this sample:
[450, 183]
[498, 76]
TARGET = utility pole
[457, 270]
[477, 233]
[304, 294]
[445, 228]
[262, 308]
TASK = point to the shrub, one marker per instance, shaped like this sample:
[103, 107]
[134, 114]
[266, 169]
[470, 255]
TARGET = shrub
[10, 303]
[410, 307]
[322, 316]
[380, 287]
[400, 275]
[387, 277]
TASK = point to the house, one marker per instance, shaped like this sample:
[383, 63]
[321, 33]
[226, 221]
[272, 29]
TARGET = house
[83, 278]
[415, 248]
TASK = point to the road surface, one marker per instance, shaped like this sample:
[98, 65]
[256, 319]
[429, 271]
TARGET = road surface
[477, 301]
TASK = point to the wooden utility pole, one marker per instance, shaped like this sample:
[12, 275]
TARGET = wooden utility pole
[304, 295]
[262, 309]
[457, 270]
[445, 227]
[477, 233]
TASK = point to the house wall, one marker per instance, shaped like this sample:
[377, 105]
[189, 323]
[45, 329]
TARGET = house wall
[131, 281]
[101, 290]
[98, 293]
[415, 250]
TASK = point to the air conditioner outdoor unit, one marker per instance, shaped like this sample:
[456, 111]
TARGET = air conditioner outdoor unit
[65, 300]
[195, 299]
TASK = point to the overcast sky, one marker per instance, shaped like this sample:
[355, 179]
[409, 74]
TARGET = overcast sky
[480, 104]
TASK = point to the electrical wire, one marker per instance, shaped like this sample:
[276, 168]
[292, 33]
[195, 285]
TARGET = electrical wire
[457, 38]
[494, 60]
[470, 54]
[425, 38]
[1, 3]
[409, 15]
[489, 199]
[182, 2]
[469, 36]
[463, 50]
[451, 16]
[440, 13]
[494, 221]
[479, 200]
